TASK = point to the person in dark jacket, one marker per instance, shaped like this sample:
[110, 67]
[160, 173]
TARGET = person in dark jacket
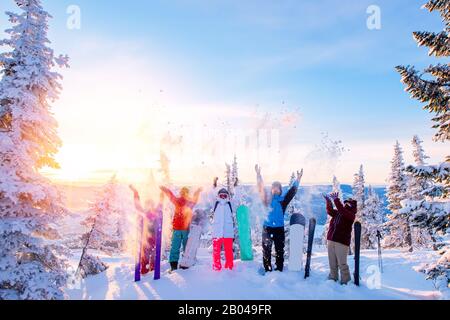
[339, 235]
[273, 230]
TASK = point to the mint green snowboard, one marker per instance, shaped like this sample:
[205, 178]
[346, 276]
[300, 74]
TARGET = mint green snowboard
[245, 233]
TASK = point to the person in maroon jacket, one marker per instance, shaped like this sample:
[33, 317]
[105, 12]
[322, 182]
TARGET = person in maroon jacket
[339, 235]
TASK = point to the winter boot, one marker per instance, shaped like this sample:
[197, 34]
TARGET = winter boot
[173, 266]
[268, 268]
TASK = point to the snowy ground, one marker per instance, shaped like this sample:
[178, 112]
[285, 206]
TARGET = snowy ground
[399, 281]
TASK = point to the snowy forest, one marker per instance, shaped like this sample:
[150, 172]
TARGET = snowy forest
[50, 250]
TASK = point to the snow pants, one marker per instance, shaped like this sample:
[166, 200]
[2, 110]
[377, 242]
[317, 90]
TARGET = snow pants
[227, 243]
[148, 247]
[269, 237]
[337, 256]
[179, 238]
[148, 255]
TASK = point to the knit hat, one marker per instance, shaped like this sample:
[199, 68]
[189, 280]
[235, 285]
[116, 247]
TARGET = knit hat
[353, 203]
[278, 185]
[224, 191]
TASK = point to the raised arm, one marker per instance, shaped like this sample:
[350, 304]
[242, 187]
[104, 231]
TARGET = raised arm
[292, 191]
[260, 185]
[330, 210]
[347, 214]
[137, 200]
[196, 197]
[289, 196]
[169, 194]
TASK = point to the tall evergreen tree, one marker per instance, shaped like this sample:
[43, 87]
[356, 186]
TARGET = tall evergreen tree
[418, 152]
[433, 92]
[30, 266]
[235, 173]
[230, 186]
[432, 89]
[359, 195]
[398, 223]
[295, 205]
[229, 179]
[359, 191]
[372, 220]
[416, 186]
[107, 220]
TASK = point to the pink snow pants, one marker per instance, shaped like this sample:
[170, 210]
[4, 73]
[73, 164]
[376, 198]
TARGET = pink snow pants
[217, 250]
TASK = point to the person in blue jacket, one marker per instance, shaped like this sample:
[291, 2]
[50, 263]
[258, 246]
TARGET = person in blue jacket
[273, 231]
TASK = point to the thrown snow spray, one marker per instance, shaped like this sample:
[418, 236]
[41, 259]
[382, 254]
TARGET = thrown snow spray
[325, 157]
[323, 161]
[165, 167]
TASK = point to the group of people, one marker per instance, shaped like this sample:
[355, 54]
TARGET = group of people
[342, 215]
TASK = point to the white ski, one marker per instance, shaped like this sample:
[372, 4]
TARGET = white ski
[296, 242]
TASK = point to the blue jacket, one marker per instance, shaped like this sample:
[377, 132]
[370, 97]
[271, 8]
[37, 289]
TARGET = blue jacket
[278, 206]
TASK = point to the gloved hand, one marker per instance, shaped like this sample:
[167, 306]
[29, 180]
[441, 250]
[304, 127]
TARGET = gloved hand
[258, 170]
[299, 176]
[334, 196]
[136, 193]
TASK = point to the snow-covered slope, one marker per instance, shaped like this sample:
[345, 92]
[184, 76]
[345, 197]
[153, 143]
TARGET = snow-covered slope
[399, 281]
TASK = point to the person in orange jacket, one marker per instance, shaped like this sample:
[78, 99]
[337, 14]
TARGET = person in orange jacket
[181, 221]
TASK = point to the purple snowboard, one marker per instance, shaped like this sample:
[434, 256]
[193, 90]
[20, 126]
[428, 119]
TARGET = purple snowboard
[158, 226]
[140, 233]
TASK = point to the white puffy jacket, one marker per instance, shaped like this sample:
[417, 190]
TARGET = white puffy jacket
[223, 225]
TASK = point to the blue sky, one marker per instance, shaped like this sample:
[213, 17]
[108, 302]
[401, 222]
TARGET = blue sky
[315, 58]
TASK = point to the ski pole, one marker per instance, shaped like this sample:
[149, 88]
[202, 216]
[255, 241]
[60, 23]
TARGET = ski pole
[380, 257]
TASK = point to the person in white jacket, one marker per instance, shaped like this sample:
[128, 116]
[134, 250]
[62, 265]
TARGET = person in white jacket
[223, 231]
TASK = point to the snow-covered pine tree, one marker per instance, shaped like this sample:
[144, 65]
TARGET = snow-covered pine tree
[31, 266]
[258, 213]
[235, 173]
[433, 92]
[418, 152]
[294, 207]
[421, 237]
[90, 266]
[433, 214]
[416, 185]
[105, 215]
[336, 188]
[432, 88]
[165, 168]
[399, 234]
[229, 179]
[372, 220]
[230, 186]
[359, 191]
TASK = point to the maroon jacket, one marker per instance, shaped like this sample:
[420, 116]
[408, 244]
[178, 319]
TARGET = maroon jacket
[341, 224]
